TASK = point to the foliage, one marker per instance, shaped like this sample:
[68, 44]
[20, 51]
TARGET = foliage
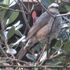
[10, 30]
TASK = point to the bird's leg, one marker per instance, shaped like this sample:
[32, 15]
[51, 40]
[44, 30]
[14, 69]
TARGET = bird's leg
[47, 48]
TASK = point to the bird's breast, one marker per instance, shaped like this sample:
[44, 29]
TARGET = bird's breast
[44, 31]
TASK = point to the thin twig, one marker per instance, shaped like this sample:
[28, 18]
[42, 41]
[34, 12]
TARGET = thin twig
[63, 14]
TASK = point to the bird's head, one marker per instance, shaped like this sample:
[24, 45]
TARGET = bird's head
[53, 7]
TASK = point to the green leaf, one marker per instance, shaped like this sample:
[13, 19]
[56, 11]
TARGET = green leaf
[31, 57]
[11, 32]
[2, 12]
[58, 44]
[66, 46]
[19, 33]
[1, 36]
[13, 17]
[38, 47]
[65, 7]
[53, 64]
[4, 2]
[7, 14]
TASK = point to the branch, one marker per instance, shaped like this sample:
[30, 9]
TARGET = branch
[20, 4]
[32, 66]
[25, 6]
[21, 39]
[63, 14]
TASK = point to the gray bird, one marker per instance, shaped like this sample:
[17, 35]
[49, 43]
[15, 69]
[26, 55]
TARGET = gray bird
[45, 28]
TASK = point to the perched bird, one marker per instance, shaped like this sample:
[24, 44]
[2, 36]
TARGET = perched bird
[45, 28]
[47, 25]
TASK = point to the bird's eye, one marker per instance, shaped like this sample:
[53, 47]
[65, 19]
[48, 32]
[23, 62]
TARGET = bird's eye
[56, 7]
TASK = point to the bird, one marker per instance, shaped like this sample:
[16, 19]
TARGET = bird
[45, 28]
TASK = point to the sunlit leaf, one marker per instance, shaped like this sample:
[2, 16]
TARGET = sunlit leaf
[12, 17]
[4, 2]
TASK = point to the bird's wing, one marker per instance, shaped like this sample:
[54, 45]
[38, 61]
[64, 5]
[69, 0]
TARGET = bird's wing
[40, 22]
[44, 31]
